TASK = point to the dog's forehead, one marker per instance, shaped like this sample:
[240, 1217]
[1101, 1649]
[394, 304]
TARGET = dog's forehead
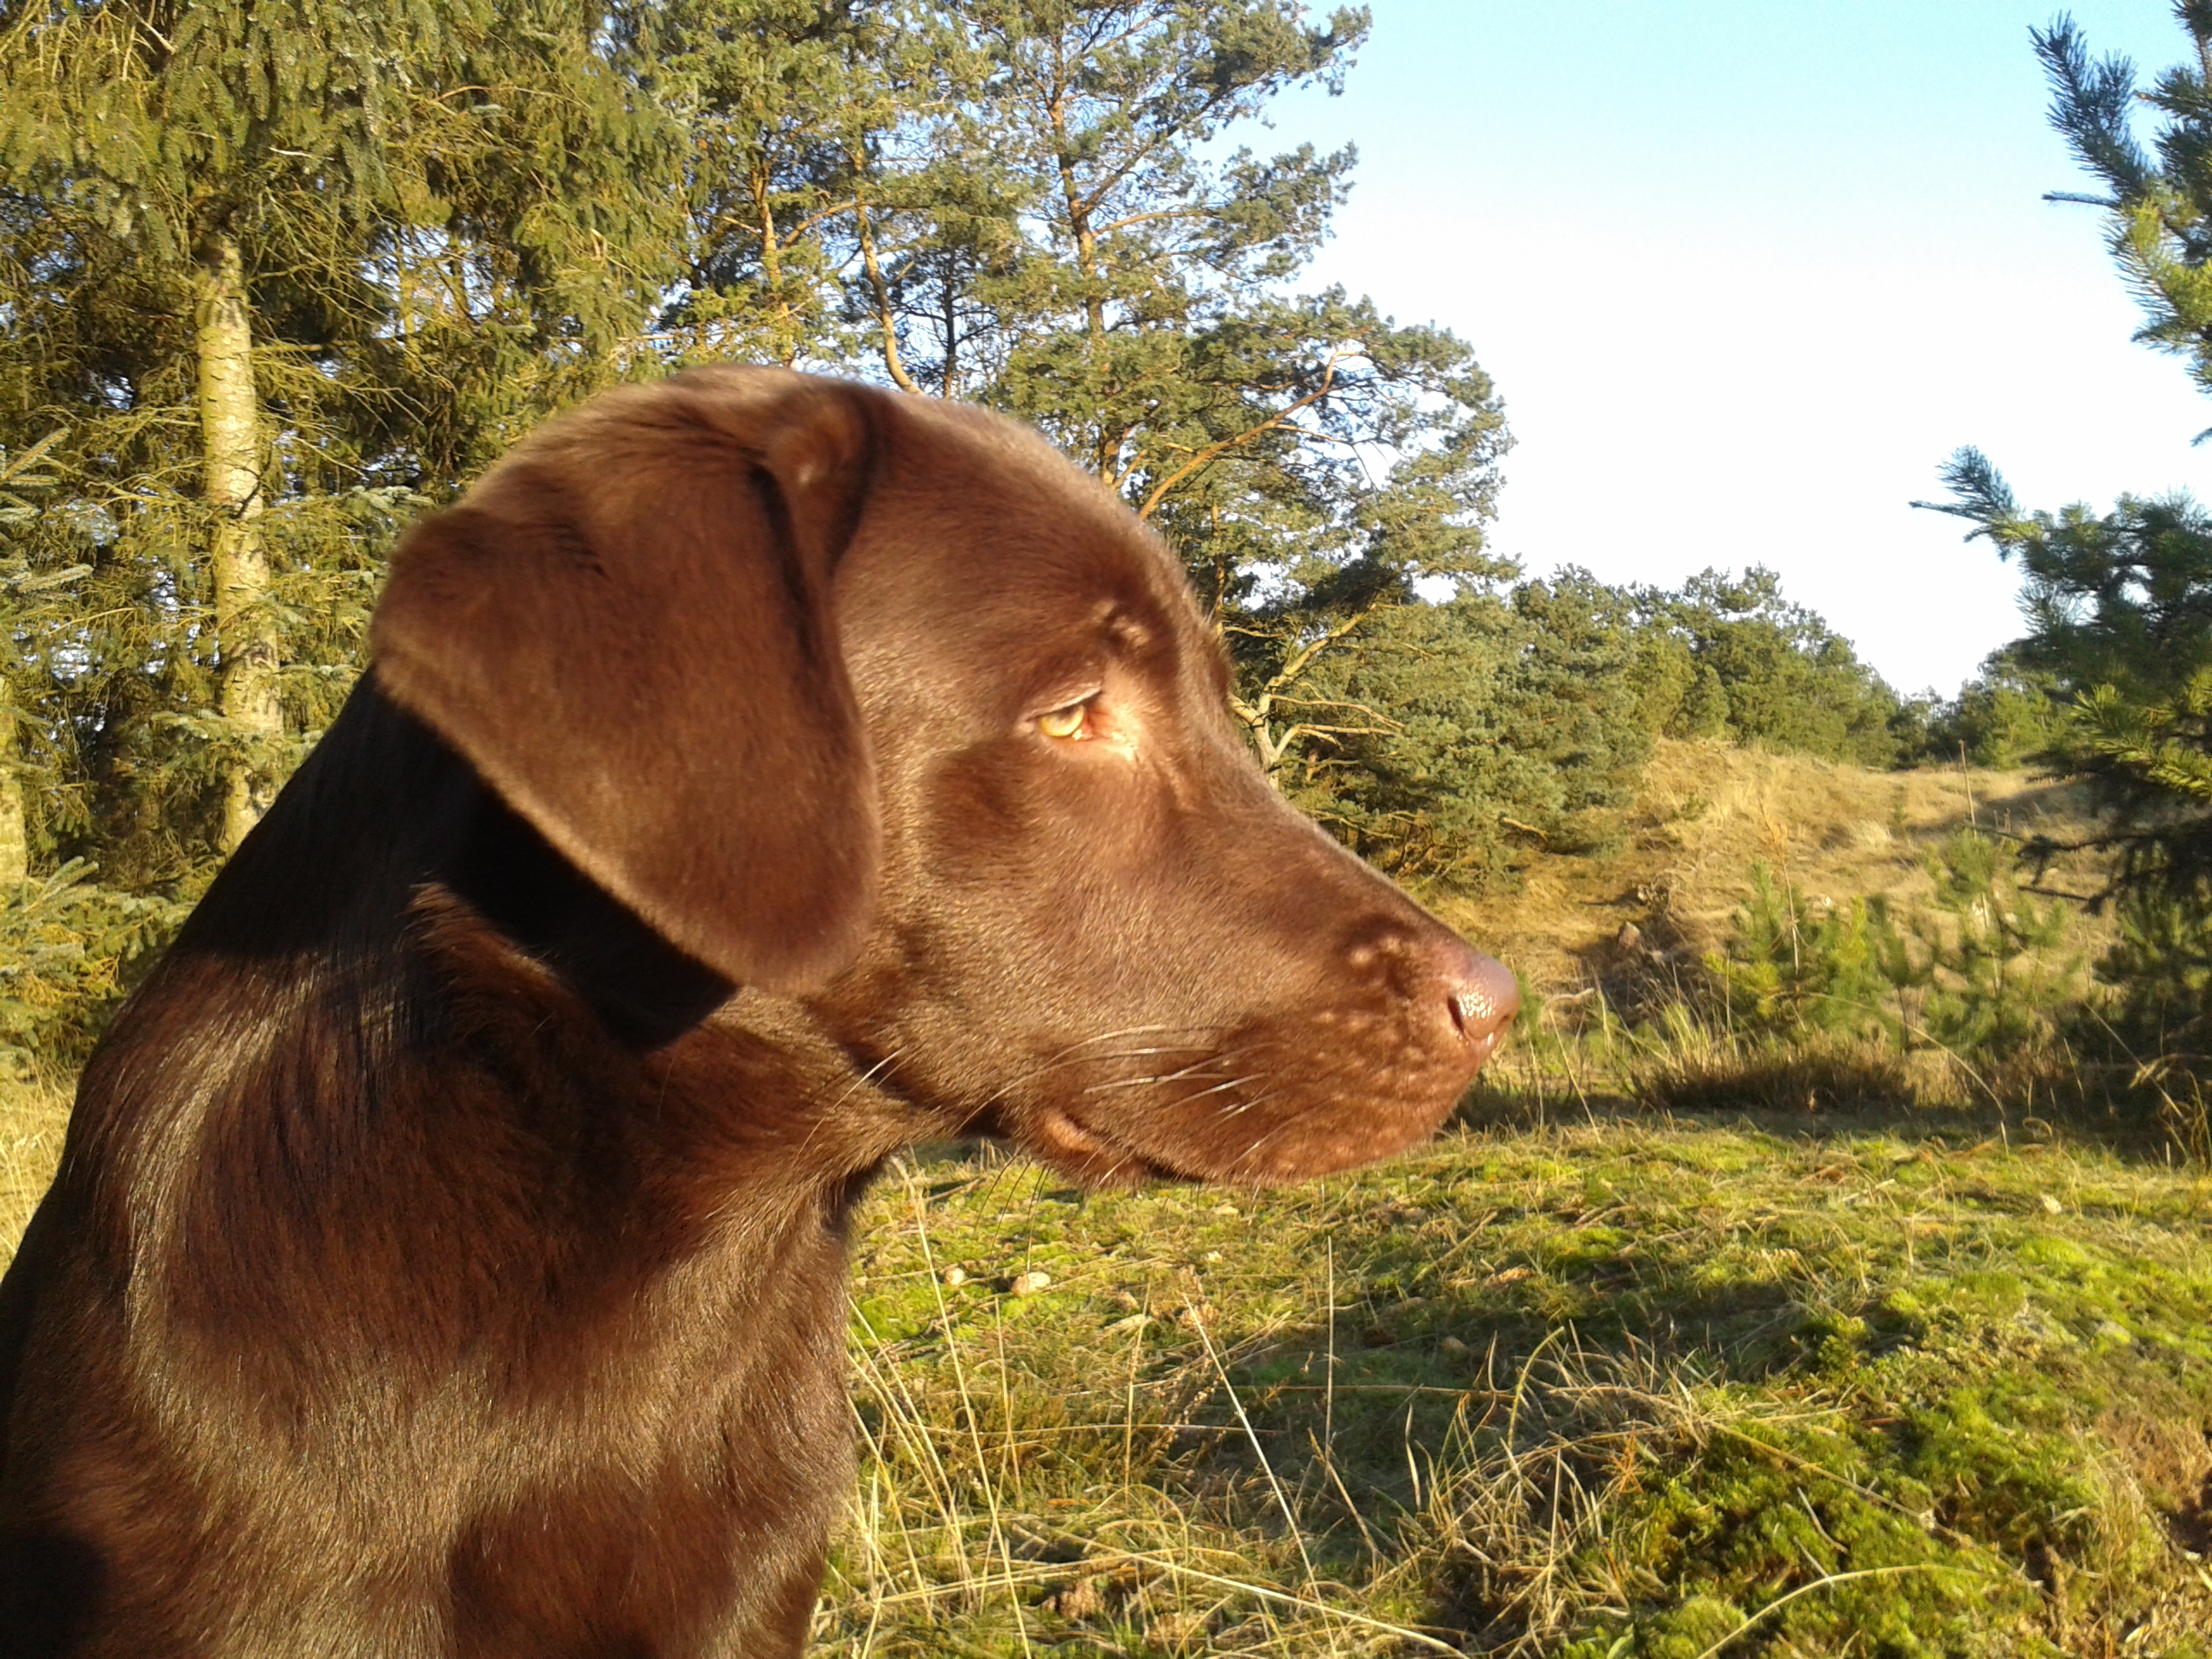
[971, 504]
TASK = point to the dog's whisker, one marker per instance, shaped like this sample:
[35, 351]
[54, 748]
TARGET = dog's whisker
[1183, 1075]
[1065, 1058]
[1243, 1106]
[1227, 1082]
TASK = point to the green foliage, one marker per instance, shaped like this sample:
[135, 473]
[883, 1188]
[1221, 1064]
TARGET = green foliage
[1982, 974]
[1994, 973]
[2158, 212]
[451, 223]
[1465, 734]
[1732, 656]
[68, 952]
[1791, 966]
[2160, 967]
[1461, 738]
[2004, 718]
[2123, 600]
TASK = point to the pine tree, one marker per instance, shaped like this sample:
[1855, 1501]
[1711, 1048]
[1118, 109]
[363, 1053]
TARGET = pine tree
[2120, 604]
[272, 272]
[775, 98]
[1471, 735]
[1103, 279]
[2158, 212]
[1731, 656]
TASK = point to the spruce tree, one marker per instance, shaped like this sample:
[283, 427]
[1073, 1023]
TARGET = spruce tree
[1100, 276]
[273, 272]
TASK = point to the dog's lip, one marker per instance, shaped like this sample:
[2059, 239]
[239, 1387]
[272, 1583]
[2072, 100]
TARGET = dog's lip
[1060, 1138]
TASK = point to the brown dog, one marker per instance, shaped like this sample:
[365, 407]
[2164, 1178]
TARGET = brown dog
[756, 773]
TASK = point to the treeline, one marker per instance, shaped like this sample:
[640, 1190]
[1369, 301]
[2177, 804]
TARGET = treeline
[1471, 735]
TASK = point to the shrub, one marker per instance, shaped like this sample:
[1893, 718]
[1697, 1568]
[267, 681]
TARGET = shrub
[69, 951]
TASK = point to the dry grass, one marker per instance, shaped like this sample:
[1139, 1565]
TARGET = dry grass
[33, 1115]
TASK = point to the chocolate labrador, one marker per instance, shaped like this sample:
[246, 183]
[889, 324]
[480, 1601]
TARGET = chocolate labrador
[754, 773]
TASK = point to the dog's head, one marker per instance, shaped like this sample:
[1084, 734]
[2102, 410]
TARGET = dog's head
[881, 703]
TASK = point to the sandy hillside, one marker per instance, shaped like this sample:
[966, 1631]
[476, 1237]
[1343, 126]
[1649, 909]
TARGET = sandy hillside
[1706, 813]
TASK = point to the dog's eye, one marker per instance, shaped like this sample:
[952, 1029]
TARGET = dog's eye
[1066, 723]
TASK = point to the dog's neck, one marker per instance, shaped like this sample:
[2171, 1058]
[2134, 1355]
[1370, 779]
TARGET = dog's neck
[383, 813]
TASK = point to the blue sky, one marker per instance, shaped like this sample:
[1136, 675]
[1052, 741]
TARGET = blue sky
[1746, 271]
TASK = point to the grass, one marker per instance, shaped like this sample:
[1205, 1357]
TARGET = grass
[1779, 1384]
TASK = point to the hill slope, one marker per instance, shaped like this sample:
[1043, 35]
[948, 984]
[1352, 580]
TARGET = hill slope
[1706, 813]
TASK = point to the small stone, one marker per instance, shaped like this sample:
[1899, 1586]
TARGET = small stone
[2051, 1206]
[955, 1276]
[1631, 937]
[1210, 1257]
[1453, 1345]
[1029, 1284]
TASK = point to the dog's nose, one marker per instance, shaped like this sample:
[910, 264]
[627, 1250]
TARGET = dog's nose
[1482, 995]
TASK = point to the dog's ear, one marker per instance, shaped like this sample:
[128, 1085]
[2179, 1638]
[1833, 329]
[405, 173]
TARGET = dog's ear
[627, 626]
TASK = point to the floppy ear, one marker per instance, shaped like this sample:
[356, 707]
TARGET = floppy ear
[627, 628]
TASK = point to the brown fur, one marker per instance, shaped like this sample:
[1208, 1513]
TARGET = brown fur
[446, 1254]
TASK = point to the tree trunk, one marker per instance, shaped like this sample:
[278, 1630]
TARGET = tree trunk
[1272, 751]
[15, 836]
[881, 290]
[229, 426]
